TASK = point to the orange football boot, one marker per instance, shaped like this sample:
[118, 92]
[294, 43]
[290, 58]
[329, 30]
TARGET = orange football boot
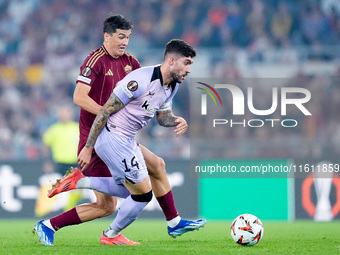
[119, 240]
[67, 182]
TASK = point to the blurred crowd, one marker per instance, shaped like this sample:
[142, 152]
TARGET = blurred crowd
[43, 43]
[71, 25]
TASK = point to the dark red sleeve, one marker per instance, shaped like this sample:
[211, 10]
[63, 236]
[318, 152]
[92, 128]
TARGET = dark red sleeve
[90, 69]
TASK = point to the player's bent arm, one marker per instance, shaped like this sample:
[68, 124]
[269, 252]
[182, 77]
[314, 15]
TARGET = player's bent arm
[112, 105]
[82, 99]
[166, 118]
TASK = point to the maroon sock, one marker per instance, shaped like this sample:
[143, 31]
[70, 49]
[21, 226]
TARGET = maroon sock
[65, 219]
[167, 204]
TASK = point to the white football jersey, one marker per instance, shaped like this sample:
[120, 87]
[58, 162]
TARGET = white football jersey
[143, 94]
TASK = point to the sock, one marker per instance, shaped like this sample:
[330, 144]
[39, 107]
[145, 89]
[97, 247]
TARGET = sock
[108, 185]
[48, 224]
[65, 219]
[167, 203]
[83, 183]
[174, 222]
[110, 233]
[127, 213]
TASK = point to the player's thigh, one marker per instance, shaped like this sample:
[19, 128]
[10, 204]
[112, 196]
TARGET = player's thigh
[154, 164]
[139, 188]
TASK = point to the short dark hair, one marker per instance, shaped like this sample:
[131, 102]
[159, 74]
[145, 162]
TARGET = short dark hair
[180, 47]
[114, 22]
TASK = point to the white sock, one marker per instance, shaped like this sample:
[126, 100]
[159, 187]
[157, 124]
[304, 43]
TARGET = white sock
[110, 233]
[174, 222]
[48, 224]
[83, 183]
[127, 213]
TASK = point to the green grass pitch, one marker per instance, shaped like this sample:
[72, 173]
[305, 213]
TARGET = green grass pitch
[301, 237]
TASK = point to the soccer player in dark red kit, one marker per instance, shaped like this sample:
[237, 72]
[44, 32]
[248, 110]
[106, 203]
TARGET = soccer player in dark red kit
[99, 74]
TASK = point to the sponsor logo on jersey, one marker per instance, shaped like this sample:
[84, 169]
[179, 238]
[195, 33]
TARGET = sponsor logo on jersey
[127, 69]
[86, 71]
[109, 73]
[132, 86]
[151, 93]
[146, 107]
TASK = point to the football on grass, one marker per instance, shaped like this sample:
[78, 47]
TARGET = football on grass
[246, 230]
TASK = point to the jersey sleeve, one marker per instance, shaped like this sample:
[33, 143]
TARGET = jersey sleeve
[89, 71]
[131, 86]
[167, 105]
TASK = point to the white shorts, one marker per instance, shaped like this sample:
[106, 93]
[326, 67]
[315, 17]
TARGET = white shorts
[122, 156]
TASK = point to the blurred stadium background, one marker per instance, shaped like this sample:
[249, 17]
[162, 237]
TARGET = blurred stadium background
[43, 43]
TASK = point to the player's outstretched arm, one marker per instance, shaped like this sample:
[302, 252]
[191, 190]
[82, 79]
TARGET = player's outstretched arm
[112, 105]
[167, 119]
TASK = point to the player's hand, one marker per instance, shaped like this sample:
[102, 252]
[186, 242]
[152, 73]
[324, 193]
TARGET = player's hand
[181, 126]
[84, 157]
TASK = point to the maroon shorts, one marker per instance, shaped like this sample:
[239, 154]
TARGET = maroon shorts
[97, 167]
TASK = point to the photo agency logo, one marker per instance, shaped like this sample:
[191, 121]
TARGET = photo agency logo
[243, 101]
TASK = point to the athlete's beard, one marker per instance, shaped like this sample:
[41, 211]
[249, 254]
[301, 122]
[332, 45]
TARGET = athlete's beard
[176, 77]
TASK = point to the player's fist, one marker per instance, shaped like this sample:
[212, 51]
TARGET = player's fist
[181, 126]
[84, 157]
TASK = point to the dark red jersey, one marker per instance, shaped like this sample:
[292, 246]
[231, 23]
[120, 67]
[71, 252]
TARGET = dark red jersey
[102, 72]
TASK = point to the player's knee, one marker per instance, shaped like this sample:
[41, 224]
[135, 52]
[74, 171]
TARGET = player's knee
[146, 197]
[109, 209]
[107, 206]
[158, 170]
[161, 164]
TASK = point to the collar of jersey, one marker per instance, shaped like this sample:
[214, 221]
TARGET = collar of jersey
[157, 74]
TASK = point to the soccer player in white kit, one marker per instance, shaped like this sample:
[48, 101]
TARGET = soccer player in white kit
[142, 94]
[131, 106]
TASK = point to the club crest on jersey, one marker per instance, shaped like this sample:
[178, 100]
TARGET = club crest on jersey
[86, 71]
[132, 86]
[127, 69]
[146, 107]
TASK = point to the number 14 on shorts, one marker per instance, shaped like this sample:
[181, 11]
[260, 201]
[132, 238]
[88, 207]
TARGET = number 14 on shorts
[133, 163]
